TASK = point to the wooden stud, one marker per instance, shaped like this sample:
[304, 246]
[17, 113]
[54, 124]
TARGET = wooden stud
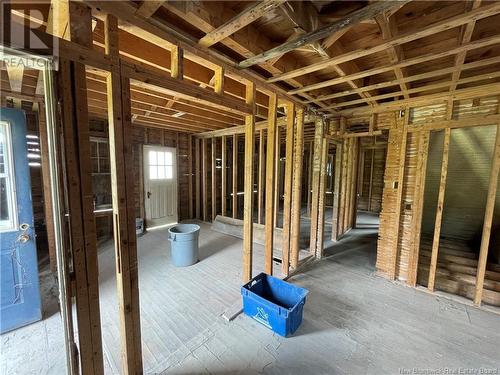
[336, 190]
[321, 200]
[204, 175]
[270, 185]
[235, 176]
[219, 80]
[177, 63]
[400, 182]
[316, 176]
[248, 191]
[213, 180]
[190, 175]
[197, 177]
[416, 224]
[488, 218]
[287, 203]
[261, 177]
[297, 188]
[309, 178]
[223, 176]
[277, 168]
[439, 210]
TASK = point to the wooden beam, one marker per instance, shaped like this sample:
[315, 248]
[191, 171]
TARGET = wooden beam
[177, 63]
[148, 8]
[213, 180]
[321, 200]
[197, 176]
[466, 36]
[336, 191]
[248, 190]
[224, 176]
[122, 191]
[477, 14]
[147, 77]
[353, 18]
[247, 16]
[235, 176]
[261, 177]
[277, 179]
[204, 173]
[402, 123]
[190, 174]
[270, 185]
[316, 176]
[488, 218]
[309, 177]
[439, 211]
[480, 43]
[297, 188]
[219, 81]
[287, 203]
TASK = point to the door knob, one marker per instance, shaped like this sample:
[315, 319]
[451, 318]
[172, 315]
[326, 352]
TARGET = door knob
[23, 238]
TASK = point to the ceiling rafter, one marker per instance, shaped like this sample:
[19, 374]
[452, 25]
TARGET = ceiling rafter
[149, 7]
[388, 28]
[368, 12]
[439, 26]
[246, 17]
[465, 37]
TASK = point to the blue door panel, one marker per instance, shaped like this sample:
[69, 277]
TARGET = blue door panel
[19, 285]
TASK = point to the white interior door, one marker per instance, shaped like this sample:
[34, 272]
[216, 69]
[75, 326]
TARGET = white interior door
[160, 185]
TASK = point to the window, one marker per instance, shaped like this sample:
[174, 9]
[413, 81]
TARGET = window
[99, 154]
[7, 195]
[161, 165]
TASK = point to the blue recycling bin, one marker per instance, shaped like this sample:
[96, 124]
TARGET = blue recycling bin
[274, 303]
[184, 244]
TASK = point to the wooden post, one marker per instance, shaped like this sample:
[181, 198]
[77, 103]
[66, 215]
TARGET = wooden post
[439, 210]
[270, 185]
[213, 180]
[309, 178]
[336, 196]
[287, 204]
[219, 80]
[190, 173]
[316, 175]
[204, 193]
[197, 177]
[400, 182]
[277, 181]
[416, 224]
[176, 61]
[488, 218]
[370, 186]
[321, 200]
[47, 196]
[235, 176]
[248, 197]
[122, 189]
[260, 189]
[223, 177]
[297, 188]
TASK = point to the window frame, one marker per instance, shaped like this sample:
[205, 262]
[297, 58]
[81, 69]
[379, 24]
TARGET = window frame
[9, 173]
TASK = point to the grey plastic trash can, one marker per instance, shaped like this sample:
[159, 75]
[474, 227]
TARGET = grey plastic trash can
[184, 243]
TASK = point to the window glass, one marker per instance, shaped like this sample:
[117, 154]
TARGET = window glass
[169, 172]
[7, 197]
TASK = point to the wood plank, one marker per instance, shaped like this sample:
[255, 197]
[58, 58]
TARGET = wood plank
[248, 190]
[213, 179]
[316, 176]
[244, 18]
[309, 177]
[270, 184]
[277, 180]
[321, 200]
[204, 176]
[190, 175]
[439, 210]
[177, 63]
[149, 7]
[197, 176]
[261, 178]
[403, 122]
[287, 203]
[353, 18]
[477, 14]
[336, 191]
[235, 176]
[488, 218]
[297, 188]
[224, 176]
[122, 191]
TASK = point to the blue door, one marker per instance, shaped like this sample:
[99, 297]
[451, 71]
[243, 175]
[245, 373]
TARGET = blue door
[19, 289]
